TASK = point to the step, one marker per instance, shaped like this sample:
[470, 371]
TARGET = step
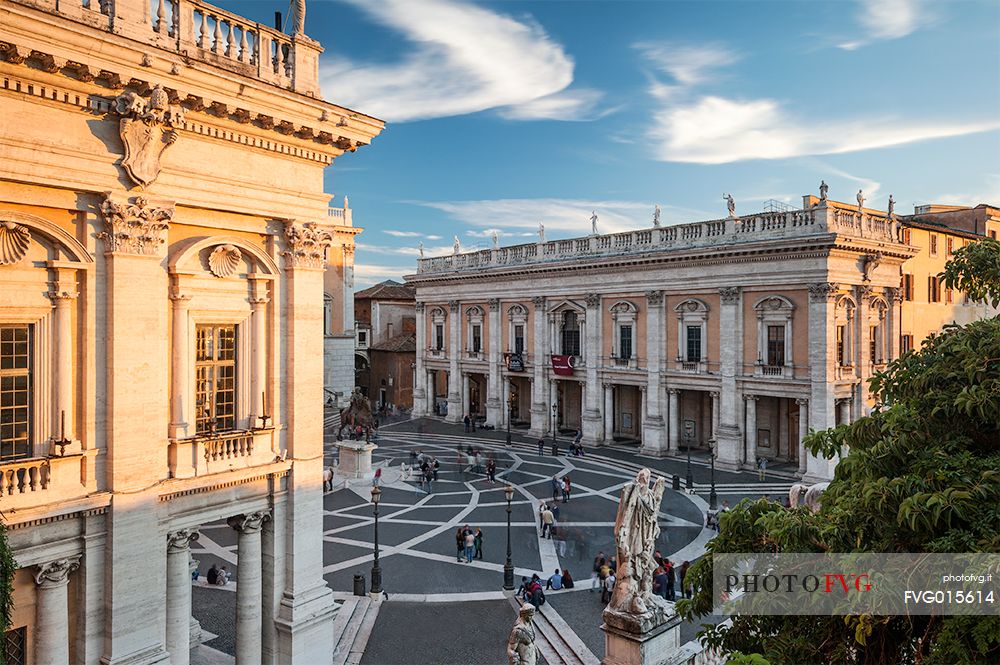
[367, 624]
[346, 626]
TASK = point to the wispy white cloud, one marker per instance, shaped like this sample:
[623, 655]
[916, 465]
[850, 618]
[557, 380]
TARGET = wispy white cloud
[988, 192]
[887, 19]
[571, 104]
[565, 217]
[461, 58]
[402, 234]
[402, 251]
[701, 128]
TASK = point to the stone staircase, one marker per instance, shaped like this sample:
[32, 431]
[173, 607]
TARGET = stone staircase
[352, 626]
[557, 643]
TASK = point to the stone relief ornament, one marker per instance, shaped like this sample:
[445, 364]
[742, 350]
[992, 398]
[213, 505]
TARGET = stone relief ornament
[633, 607]
[134, 228]
[224, 260]
[306, 245]
[729, 294]
[822, 291]
[521, 649]
[147, 129]
[14, 241]
[55, 573]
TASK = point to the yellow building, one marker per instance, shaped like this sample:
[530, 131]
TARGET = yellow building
[164, 235]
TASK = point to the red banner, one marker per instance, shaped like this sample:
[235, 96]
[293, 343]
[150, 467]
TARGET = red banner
[562, 365]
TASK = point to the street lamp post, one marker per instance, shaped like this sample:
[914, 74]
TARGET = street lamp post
[508, 568]
[376, 571]
[713, 499]
[555, 427]
[690, 479]
[510, 415]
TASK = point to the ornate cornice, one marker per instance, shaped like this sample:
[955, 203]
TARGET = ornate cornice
[180, 541]
[248, 522]
[134, 228]
[56, 573]
[307, 245]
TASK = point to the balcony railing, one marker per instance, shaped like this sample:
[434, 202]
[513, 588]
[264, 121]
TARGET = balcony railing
[437, 353]
[772, 370]
[827, 218]
[475, 355]
[216, 453]
[35, 481]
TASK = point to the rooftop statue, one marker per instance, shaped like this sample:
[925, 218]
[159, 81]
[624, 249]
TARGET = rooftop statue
[730, 204]
[823, 189]
[656, 215]
[861, 199]
[593, 223]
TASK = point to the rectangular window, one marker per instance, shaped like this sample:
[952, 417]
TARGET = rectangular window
[363, 337]
[776, 346]
[906, 236]
[571, 342]
[477, 338]
[15, 391]
[518, 339]
[694, 344]
[16, 646]
[625, 342]
[933, 244]
[215, 378]
[949, 296]
[933, 289]
[993, 234]
[873, 344]
[950, 243]
[905, 343]
[439, 337]
[907, 287]
[842, 346]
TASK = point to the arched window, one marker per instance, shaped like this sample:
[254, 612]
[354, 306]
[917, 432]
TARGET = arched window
[692, 337]
[774, 336]
[623, 319]
[569, 334]
[518, 325]
[474, 339]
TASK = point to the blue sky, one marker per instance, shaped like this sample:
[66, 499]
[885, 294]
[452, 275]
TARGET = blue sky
[502, 115]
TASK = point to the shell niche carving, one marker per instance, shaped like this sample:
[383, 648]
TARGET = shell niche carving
[14, 241]
[224, 260]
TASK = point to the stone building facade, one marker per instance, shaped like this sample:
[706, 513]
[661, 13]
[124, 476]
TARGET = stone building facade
[163, 239]
[385, 329]
[741, 333]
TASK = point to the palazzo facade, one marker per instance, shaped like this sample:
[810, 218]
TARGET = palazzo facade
[165, 248]
[740, 334]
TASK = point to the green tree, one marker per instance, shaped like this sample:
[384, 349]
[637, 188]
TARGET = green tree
[923, 475]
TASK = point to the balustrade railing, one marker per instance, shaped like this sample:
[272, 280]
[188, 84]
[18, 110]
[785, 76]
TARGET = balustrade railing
[772, 370]
[228, 446]
[24, 476]
[751, 228]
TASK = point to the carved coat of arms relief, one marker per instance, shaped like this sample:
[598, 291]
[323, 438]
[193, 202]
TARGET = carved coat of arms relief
[147, 130]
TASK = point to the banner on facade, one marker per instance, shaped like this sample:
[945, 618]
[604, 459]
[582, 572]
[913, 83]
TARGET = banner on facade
[562, 365]
[514, 361]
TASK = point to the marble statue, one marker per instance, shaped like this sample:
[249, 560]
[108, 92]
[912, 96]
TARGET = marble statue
[496, 240]
[810, 494]
[823, 189]
[861, 200]
[457, 245]
[656, 215]
[521, 648]
[634, 607]
[730, 204]
[892, 206]
[346, 206]
[300, 17]
[541, 232]
[420, 248]
[593, 223]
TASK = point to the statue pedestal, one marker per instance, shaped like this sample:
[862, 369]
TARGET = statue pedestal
[355, 458]
[624, 647]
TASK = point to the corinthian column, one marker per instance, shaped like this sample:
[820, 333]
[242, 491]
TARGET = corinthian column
[249, 596]
[52, 611]
[454, 349]
[179, 595]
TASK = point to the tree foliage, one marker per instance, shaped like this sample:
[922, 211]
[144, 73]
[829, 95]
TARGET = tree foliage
[975, 269]
[922, 475]
[7, 569]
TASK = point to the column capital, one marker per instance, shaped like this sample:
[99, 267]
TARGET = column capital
[179, 298]
[248, 522]
[134, 228]
[538, 302]
[306, 245]
[729, 295]
[61, 297]
[494, 304]
[714, 394]
[750, 398]
[593, 300]
[455, 306]
[802, 401]
[180, 541]
[419, 307]
[258, 302]
[654, 298]
[673, 391]
[56, 573]
[823, 291]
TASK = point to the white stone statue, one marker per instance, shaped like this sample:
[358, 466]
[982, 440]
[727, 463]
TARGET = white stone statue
[823, 189]
[892, 206]
[521, 648]
[457, 245]
[420, 248]
[656, 215]
[861, 200]
[730, 204]
[346, 206]
[593, 223]
[636, 530]
[496, 239]
[810, 494]
[541, 232]
[300, 19]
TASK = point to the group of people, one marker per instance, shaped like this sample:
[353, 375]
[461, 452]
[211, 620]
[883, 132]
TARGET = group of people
[469, 544]
[471, 460]
[575, 446]
[215, 576]
[548, 519]
[561, 486]
[531, 590]
[666, 578]
[425, 467]
[603, 576]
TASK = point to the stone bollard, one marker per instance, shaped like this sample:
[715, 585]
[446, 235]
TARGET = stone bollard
[676, 483]
[359, 584]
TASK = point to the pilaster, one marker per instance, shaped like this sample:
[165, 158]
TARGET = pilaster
[592, 328]
[727, 434]
[420, 397]
[541, 360]
[653, 426]
[494, 395]
[455, 413]
[822, 355]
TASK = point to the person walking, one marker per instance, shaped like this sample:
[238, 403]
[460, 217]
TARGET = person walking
[556, 488]
[460, 543]
[377, 478]
[761, 468]
[595, 571]
[548, 523]
[609, 587]
[429, 477]
[682, 575]
[478, 542]
[668, 570]
[466, 421]
[567, 487]
[541, 446]
[435, 467]
[470, 546]
[491, 470]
